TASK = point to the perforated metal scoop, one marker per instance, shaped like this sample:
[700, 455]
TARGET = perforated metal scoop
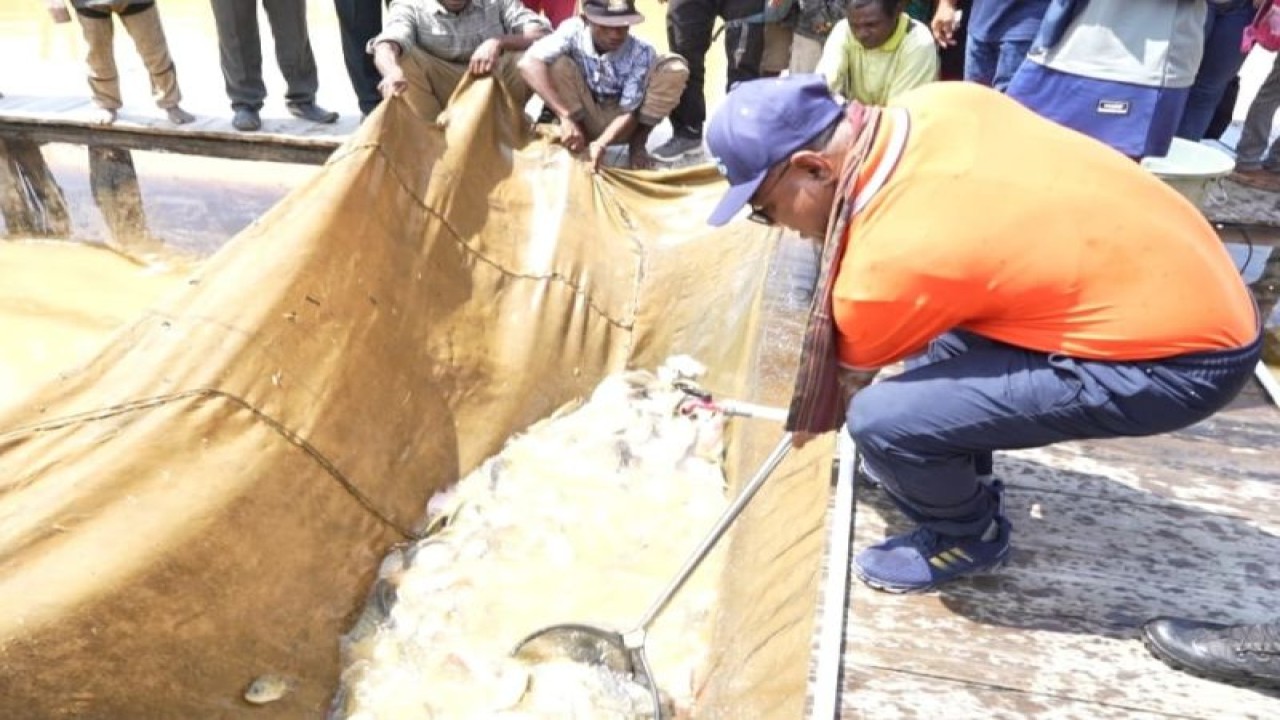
[624, 652]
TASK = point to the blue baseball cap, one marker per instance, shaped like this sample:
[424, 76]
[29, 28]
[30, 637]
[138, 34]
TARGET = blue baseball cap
[760, 124]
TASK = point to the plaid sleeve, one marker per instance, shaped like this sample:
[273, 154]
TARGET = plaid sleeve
[550, 47]
[515, 16]
[400, 26]
[635, 79]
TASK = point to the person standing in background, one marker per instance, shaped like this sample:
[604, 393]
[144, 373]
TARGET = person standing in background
[359, 21]
[999, 35]
[814, 20]
[142, 21]
[1119, 71]
[1256, 161]
[690, 31]
[1224, 26]
[241, 49]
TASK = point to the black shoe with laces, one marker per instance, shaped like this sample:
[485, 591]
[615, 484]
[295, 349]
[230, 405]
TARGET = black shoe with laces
[1238, 654]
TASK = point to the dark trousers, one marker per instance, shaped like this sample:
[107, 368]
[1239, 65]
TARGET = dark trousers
[1223, 28]
[360, 21]
[241, 50]
[921, 433]
[690, 24]
[993, 63]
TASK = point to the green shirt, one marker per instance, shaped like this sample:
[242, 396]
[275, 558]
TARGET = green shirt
[921, 10]
[906, 60]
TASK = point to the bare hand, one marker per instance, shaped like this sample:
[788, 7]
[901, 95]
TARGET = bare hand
[595, 154]
[485, 57]
[944, 25]
[571, 136]
[393, 84]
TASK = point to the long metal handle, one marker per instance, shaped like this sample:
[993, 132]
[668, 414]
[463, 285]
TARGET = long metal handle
[726, 519]
[752, 410]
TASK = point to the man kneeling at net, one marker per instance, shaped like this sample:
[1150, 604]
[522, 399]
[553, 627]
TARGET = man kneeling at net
[1039, 281]
[603, 84]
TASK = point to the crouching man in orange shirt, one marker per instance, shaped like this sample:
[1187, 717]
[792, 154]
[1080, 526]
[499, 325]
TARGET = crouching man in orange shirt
[1037, 280]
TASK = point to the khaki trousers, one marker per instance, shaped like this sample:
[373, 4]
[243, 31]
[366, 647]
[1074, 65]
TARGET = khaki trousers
[148, 37]
[777, 49]
[805, 54]
[662, 92]
[442, 78]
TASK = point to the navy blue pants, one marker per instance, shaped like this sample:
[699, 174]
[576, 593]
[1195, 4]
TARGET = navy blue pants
[1223, 28]
[359, 21]
[925, 434]
[993, 63]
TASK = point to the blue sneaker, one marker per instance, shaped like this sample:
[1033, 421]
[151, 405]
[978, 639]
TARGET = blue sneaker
[923, 559]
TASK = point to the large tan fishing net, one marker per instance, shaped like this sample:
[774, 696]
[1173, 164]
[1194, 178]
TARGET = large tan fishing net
[207, 501]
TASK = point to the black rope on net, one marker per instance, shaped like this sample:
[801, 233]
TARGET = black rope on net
[274, 424]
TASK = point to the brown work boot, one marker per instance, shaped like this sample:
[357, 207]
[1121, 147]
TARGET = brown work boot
[1258, 178]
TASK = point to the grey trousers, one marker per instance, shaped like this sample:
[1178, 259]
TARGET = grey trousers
[1255, 138]
[241, 49]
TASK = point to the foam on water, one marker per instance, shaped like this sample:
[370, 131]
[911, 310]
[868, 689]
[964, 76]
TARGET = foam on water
[583, 518]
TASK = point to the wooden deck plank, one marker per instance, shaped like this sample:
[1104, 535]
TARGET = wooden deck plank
[1106, 535]
[63, 119]
[877, 695]
[1080, 668]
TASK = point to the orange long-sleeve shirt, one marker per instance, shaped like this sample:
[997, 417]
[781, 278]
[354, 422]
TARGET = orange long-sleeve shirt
[999, 222]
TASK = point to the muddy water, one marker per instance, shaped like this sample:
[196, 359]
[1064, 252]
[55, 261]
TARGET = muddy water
[192, 204]
[59, 302]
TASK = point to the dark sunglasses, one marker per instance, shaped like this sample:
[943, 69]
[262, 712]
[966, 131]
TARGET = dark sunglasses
[758, 215]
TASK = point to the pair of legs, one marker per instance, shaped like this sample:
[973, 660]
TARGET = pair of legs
[359, 21]
[993, 62]
[240, 47]
[926, 434]
[142, 22]
[1255, 151]
[663, 88]
[1223, 29]
[690, 26]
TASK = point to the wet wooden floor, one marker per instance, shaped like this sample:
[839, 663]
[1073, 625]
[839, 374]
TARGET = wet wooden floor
[1106, 535]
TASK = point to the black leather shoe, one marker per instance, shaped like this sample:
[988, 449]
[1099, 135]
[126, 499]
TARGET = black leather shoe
[312, 112]
[246, 119]
[1237, 654]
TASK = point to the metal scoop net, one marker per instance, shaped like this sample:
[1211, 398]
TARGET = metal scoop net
[624, 652]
